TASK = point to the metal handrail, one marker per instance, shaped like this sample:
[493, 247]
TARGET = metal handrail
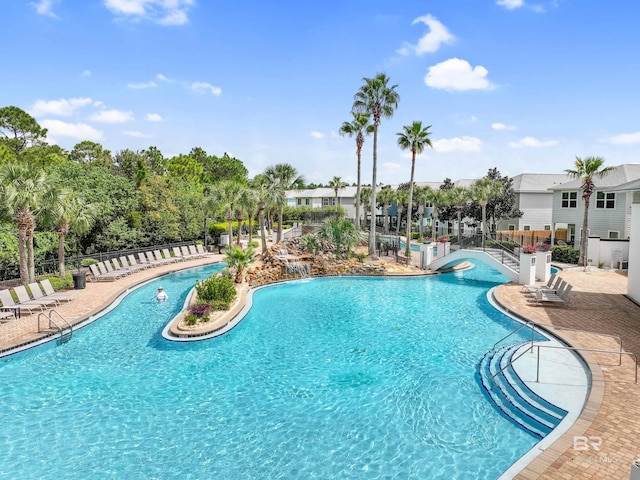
[527, 324]
[51, 320]
[511, 362]
[61, 318]
[635, 357]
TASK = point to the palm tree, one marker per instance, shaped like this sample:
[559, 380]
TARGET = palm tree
[239, 259]
[459, 197]
[386, 196]
[23, 193]
[483, 191]
[245, 201]
[421, 198]
[379, 100]
[224, 195]
[284, 177]
[586, 169]
[69, 214]
[437, 198]
[336, 184]
[365, 199]
[342, 233]
[358, 127]
[267, 195]
[402, 197]
[415, 137]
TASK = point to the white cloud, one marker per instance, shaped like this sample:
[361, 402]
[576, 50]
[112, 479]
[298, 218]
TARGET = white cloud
[623, 139]
[45, 7]
[163, 12]
[62, 107]
[154, 117]
[86, 73]
[205, 87]
[457, 74]
[137, 134]
[502, 126]
[316, 134]
[81, 131]
[431, 41]
[142, 85]
[510, 4]
[112, 116]
[532, 143]
[458, 144]
[163, 78]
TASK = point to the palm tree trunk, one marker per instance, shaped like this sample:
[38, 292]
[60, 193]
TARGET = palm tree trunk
[280, 219]
[372, 226]
[358, 194]
[30, 257]
[459, 223]
[22, 249]
[484, 223]
[250, 227]
[61, 267]
[582, 261]
[230, 231]
[434, 220]
[410, 206]
[263, 230]
[421, 220]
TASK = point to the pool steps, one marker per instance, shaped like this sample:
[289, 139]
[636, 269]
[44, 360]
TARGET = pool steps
[512, 397]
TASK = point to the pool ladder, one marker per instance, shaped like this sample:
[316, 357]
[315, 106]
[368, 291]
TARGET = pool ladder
[65, 331]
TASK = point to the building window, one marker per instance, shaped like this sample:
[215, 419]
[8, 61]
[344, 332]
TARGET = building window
[307, 201]
[299, 201]
[328, 201]
[527, 228]
[547, 227]
[605, 200]
[569, 199]
[613, 234]
[511, 227]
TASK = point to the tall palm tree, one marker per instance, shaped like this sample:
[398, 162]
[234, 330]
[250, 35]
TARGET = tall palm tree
[421, 198]
[358, 127]
[284, 177]
[336, 184]
[414, 137]
[224, 196]
[401, 198]
[379, 100]
[586, 169]
[268, 195]
[483, 191]
[245, 201]
[365, 199]
[386, 196]
[23, 193]
[437, 198]
[69, 213]
[459, 197]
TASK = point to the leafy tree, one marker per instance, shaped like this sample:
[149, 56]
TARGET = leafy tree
[132, 165]
[586, 170]
[379, 100]
[283, 176]
[438, 199]
[239, 259]
[386, 196]
[225, 196]
[402, 201]
[185, 167]
[342, 233]
[155, 160]
[483, 191]
[91, 154]
[503, 206]
[19, 130]
[459, 197]
[448, 212]
[414, 137]
[336, 184]
[358, 127]
[226, 167]
[421, 195]
[365, 199]
[267, 195]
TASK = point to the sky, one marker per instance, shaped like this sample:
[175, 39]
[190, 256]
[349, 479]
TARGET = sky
[520, 85]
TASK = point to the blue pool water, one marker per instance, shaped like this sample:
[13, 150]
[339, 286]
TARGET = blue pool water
[328, 378]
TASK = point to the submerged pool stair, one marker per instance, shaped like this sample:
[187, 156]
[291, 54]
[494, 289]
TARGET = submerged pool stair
[512, 397]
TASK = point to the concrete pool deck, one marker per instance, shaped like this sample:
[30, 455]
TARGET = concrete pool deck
[610, 420]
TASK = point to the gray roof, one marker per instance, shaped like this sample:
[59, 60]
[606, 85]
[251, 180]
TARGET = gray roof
[321, 192]
[538, 182]
[620, 174]
[631, 186]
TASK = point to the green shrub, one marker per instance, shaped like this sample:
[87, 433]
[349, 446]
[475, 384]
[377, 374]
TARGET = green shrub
[565, 254]
[218, 288]
[361, 256]
[190, 319]
[254, 244]
[415, 235]
[89, 261]
[59, 283]
[220, 305]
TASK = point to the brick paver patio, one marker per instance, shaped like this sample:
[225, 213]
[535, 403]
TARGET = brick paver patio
[598, 305]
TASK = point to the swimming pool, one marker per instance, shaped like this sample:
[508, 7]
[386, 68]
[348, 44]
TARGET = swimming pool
[327, 378]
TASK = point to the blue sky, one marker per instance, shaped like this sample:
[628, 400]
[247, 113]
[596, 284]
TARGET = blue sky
[521, 85]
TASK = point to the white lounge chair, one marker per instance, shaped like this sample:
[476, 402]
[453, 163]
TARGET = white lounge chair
[50, 292]
[98, 276]
[559, 298]
[38, 294]
[534, 287]
[25, 299]
[8, 303]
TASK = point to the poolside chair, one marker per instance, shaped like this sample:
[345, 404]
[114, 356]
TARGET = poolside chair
[142, 257]
[200, 249]
[177, 253]
[114, 266]
[107, 269]
[25, 299]
[152, 260]
[38, 294]
[560, 298]
[128, 266]
[193, 251]
[186, 253]
[163, 261]
[97, 276]
[8, 303]
[533, 287]
[7, 316]
[51, 293]
[167, 254]
[134, 263]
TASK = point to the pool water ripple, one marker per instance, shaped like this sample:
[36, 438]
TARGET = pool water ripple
[330, 378]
